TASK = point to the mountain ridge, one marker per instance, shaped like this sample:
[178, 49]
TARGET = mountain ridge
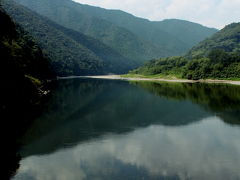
[227, 39]
[54, 38]
[132, 37]
[217, 57]
[116, 16]
[120, 39]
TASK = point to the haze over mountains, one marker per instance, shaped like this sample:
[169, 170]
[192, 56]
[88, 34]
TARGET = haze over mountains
[82, 39]
[175, 35]
[217, 57]
[69, 52]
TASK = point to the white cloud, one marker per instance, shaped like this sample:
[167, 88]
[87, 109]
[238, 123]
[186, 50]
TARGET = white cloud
[213, 13]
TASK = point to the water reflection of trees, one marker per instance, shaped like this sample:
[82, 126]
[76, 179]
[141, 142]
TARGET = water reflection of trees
[83, 109]
[222, 99]
[80, 110]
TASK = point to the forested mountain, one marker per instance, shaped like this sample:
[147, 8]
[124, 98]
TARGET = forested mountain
[67, 14]
[133, 37]
[228, 39]
[176, 35]
[23, 67]
[188, 32]
[216, 57]
[22, 62]
[23, 70]
[70, 52]
[81, 39]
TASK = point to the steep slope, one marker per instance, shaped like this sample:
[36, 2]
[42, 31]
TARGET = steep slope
[176, 35]
[228, 39]
[66, 55]
[23, 67]
[188, 32]
[71, 52]
[141, 27]
[20, 56]
[113, 61]
[68, 14]
[22, 72]
[217, 57]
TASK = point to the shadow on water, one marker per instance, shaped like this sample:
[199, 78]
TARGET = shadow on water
[20, 104]
[82, 109]
[221, 99]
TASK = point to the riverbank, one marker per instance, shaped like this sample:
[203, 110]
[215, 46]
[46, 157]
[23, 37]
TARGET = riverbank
[120, 77]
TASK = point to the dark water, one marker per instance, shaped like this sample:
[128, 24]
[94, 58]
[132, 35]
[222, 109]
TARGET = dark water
[116, 130]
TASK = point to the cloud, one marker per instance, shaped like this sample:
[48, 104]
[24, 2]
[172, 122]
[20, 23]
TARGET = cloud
[212, 13]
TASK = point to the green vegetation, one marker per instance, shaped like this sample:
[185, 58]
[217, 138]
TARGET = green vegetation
[62, 51]
[215, 58]
[218, 65]
[23, 68]
[187, 32]
[20, 55]
[69, 52]
[134, 38]
[23, 71]
[34, 80]
[228, 39]
[173, 66]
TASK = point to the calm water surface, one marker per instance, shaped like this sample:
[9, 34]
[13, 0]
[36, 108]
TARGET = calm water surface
[116, 130]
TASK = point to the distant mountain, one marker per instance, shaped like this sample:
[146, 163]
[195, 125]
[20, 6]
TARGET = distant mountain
[69, 52]
[228, 39]
[67, 14]
[217, 57]
[134, 38]
[188, 32]
[176, 35]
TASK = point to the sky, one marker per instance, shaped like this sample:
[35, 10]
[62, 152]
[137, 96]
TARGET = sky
[211, 13]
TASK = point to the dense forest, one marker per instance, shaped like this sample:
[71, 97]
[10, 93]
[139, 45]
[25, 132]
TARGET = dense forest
[228, 39]
[134, 38]
[69, 52]
[176, 36]
[23, 73]
[22, 62]
[85, 40]
[217, 57]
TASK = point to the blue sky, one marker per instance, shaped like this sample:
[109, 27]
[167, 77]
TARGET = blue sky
[212, 13]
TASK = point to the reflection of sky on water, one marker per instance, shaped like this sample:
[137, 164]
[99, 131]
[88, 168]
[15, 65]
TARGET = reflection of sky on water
[208, 149]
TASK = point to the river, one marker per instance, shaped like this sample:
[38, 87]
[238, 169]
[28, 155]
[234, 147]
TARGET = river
[114, 130]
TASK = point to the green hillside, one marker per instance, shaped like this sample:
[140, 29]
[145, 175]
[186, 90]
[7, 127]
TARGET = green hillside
[188, 32]
[228, 39]
[23, 74]
[70, 52]
[217, 57]
[22, 61]
[134, 38]
[67, 14]
[23, 67]
[113, 61]
[178, 36]
[66, 55]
